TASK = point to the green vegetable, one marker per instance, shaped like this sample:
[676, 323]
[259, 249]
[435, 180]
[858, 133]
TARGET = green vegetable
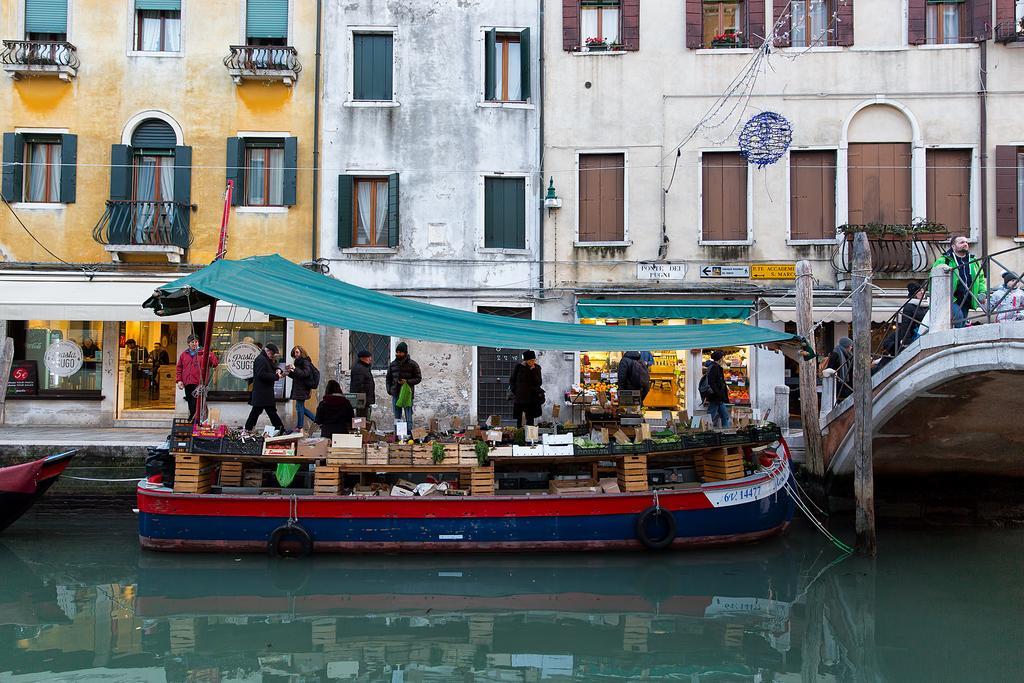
[437, 453]
[482, 451]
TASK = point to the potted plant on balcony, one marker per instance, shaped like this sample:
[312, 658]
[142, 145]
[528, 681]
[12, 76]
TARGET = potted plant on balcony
[597, 44]
[615, 46]
[730, 38]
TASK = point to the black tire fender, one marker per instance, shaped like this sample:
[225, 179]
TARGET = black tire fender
[644, 535]
[293, 532]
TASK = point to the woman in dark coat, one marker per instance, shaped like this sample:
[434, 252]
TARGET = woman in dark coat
[525, 385]
[334, 414]
[264, 375]
[301, 373]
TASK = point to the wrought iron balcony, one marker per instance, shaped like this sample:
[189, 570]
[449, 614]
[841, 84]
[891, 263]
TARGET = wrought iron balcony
[263, 62]
[1009, 32]
[145, 227]
[911, 249]
[40, 57]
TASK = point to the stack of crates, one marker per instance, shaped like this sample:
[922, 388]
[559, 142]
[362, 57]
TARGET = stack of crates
[193, 473]
[327, 480]
[231, 473]
[723, 464]
[346, 449]
[481, 481]
[632, 473]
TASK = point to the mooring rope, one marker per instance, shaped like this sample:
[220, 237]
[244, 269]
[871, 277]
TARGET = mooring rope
[68, 476]
[814, 520]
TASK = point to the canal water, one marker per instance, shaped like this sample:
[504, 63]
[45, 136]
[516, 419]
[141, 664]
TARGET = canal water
[80, 602]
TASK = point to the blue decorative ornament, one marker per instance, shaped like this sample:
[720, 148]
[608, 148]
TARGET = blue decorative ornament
[765, 138]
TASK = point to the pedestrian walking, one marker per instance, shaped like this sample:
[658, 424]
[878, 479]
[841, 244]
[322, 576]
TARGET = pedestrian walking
[718, 392]
[968, 282]
[841, 360]
[909, 320]
[334, 413]
[526, 386]
[361, 382]
[265, 374]
[305, 379]
[188, 373]
[634, 374]
[402, 377]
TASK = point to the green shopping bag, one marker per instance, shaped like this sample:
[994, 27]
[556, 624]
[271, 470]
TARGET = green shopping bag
[285, 473]
[404, 397]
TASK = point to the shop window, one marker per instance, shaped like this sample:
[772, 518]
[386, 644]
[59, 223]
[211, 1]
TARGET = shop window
[736, 364]
[602, 203]
[33, 338]
[226, 386]
[378, 345]
[158, 25]
[949, 188]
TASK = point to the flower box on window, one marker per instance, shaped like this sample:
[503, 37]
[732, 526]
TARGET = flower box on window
[731, 38]
[597, 44]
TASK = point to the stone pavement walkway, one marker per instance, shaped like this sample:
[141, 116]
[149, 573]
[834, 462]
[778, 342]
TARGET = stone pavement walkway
[23, 435]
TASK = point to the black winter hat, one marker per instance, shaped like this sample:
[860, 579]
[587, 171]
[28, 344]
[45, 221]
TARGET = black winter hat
[529, 355]
[402, 347]
[363, 354]
[913, 288]
[1009, 275]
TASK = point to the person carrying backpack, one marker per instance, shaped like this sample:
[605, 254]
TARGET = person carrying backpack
[305, 378]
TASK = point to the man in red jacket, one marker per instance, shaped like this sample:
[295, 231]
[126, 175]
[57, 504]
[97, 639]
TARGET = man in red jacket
[189, 372]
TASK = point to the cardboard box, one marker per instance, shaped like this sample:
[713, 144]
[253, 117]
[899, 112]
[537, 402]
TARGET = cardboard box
[557, 439]
[400, 492]
[420, 433]
[313, 448]
[278, 451]
[353, 441]
[609, 485]
[358, 424]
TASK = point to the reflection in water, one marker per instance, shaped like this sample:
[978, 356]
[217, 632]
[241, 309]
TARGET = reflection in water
[78, 606]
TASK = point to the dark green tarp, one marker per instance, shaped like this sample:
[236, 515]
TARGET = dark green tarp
[711, 309]
[279, 287]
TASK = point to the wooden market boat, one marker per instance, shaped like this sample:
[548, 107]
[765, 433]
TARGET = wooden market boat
[22, 485]
[722, 512]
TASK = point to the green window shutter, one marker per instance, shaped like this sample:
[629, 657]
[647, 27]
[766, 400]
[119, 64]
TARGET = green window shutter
[121, 172]
[183, 174]
[46, 16]
[234, 169]
[14, 168]
[393, 210]
[345, 208]
[266, 18]
[158, 4]
[504, 213]
[291, 163]
[371, 77]
[490, 39]
[524, 62]
[68, 168]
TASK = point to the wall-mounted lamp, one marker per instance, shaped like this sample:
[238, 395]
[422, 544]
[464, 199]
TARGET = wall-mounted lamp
[551, 200]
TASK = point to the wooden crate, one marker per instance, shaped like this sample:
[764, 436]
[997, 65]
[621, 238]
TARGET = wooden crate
[722, 464]
[632, 473]
[231, 473]
[252, 476]
[422, 454]
[377, 454]
[467, 453]
[346, 456]
[193, 473]
[399, 454]
[327, 480]
[481, 481]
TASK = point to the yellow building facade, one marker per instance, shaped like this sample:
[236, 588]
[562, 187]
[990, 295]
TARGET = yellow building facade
[122, 122]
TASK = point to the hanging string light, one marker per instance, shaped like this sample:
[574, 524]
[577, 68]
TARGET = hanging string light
[765, 138]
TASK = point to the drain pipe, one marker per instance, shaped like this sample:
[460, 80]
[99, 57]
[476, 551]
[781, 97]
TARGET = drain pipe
[316, 133]
[540, 149]
[983, 143]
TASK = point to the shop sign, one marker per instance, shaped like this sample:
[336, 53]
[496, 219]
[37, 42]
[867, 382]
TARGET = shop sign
[660, 271]
[24, 379]
[724, 271]
[63, 358]
[239, 358]
[773, 271]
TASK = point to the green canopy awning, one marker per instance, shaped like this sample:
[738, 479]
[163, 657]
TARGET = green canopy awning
[279, 287]
[671, 308]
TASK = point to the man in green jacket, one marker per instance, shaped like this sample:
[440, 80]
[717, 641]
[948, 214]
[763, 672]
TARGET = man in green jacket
[968, 282]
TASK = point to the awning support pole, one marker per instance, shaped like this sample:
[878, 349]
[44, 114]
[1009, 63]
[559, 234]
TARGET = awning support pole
[222, 246]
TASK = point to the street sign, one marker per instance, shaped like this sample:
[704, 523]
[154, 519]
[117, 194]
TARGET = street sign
[773, 271]
[660, 271]
[724, 271]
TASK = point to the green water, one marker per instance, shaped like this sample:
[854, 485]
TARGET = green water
[80, 602]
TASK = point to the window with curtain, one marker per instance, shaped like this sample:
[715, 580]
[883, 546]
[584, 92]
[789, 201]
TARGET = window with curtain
[157, 30]
[507, 68]
[600, 19]
[42, 171]
[378, 345]
[264, 173]
[810, 23]
[153, 194]
[945, 21]
[370, 215]
[723, 23]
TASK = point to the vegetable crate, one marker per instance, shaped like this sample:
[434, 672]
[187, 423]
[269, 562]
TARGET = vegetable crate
[723, 464]
[467, 454]
[700, 439]
[231, 473]
[632, 473]
[193, 473]
[345, 456]
[377, 453]
[481, 481]
[399, 454]
[236, 446]
[422, 454]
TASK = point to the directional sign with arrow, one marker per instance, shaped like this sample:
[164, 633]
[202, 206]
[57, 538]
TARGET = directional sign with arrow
[724, 271]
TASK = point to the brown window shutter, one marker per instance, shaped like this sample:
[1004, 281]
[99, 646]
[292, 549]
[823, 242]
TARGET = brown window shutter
[879, 183]
[981, 19]
[570, 25]
[783, 39]
[694, 24]
[755, 26]
[844, 25]
[631, 24]
[812, 195]
[1006, 191]
[916, 26]
[724, 189]
[948, 188]
[1005, 11]
[602, 198]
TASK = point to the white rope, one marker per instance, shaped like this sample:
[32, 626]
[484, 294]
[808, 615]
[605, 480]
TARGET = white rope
[68, 476]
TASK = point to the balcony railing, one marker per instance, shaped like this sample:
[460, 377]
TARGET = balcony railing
[21, 57]
[1009, 32]
[145, 226]
[895, 253]
[263, 62]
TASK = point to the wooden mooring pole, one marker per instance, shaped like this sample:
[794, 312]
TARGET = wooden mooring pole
[864, 481]
[814, 458]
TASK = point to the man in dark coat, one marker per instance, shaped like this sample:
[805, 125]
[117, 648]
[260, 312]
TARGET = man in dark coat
[264, 374]
[527, 393]
[718, 399]
[361, 381]
[403, 370]
[334, 414]
[634, 374]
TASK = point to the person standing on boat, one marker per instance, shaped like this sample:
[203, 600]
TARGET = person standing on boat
[634, 374]
[718, 392]
[527, 391]
[334, 414]
[403, 371]
[189, 372]
[265, 374]
[304, 380]
[361, 382]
